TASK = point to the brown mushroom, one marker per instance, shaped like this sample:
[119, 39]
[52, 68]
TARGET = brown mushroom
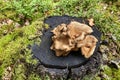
[59, 30]
[62, 44]
[89, 46]
[76, 29]
[72, 37]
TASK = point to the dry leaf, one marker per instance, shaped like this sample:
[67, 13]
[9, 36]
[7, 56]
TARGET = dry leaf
[91, 21]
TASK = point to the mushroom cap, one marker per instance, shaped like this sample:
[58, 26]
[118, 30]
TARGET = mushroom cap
[60, 28]
[76, 28]
[89, 46]
[62, 43]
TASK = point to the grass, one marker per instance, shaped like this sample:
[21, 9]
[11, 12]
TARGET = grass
[14, 40]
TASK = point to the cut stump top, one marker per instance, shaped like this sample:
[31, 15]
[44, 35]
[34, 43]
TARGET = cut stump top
[47, 57]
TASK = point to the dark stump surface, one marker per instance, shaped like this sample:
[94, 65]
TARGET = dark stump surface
[52, 64]
[47, 56]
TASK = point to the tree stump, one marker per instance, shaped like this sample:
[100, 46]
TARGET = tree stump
[73, 66]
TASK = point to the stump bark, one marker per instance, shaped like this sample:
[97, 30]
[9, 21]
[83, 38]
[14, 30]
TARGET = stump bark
[73, 66]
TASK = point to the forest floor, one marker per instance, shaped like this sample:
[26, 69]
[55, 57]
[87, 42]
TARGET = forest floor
[21, 23]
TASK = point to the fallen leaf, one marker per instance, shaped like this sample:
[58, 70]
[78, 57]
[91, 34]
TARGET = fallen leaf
[91, 21]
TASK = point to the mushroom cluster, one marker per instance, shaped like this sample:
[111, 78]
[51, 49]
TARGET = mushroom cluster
[73, 37]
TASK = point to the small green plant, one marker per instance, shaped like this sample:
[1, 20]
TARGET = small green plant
[31, 9]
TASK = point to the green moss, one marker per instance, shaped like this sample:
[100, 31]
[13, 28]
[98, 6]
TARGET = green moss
[28, 58]
[9, 37]
[112, 73]
[9, 13]
[96, 78]
[3, 5]
[19, 72]
[34, 77]
[29, 30]
[2, 16]
[12, 43]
